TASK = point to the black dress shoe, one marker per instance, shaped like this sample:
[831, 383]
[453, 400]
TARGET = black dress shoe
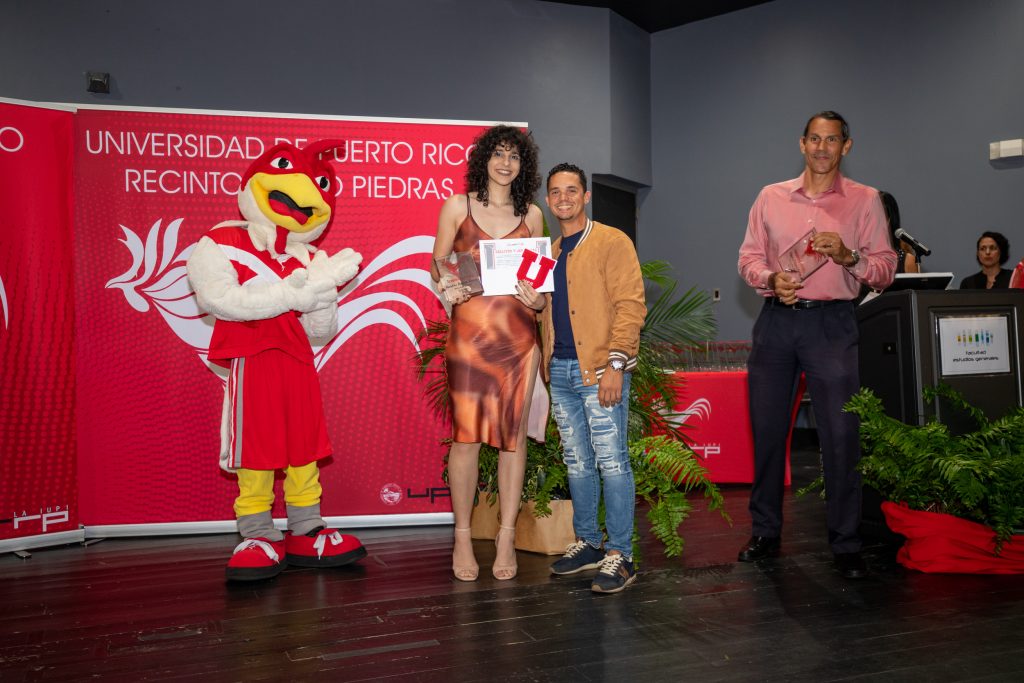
[760, 547]
[851, 565]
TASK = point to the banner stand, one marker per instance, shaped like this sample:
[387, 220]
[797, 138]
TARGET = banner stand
[12, 545]
[38, 448]
[230, 526]
[123, 365]
[150, 183]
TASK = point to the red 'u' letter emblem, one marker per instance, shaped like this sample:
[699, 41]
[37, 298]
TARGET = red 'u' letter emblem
[543, 268]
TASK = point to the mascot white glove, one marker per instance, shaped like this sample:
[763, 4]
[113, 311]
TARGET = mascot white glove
[343, 266]
[218, 291]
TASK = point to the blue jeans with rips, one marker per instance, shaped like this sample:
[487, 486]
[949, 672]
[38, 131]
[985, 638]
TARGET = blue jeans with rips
[594, 443]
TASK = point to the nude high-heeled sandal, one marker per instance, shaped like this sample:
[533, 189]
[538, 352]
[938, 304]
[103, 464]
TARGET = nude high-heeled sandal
[467, 572]
[504, 572]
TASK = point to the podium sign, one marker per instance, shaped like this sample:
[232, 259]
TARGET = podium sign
[974, 345]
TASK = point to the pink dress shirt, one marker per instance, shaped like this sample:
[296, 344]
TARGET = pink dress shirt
[783, 213]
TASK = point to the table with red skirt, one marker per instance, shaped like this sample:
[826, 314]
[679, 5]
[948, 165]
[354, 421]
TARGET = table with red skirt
[715, 414]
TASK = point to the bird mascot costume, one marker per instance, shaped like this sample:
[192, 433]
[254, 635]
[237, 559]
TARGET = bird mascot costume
[271, 291]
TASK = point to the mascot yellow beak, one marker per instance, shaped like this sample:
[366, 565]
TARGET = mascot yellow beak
[290, 200]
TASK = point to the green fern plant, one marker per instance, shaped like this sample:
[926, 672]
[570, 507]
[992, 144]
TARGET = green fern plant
[665, 471]
[977, 476]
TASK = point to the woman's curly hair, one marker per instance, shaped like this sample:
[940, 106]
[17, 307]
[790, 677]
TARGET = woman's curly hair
[525, 185]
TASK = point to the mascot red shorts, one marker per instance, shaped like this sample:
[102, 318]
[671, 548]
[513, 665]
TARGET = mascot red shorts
[276, 412]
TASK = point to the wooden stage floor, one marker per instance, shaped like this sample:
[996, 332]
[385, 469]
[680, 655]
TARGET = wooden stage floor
[159, 609]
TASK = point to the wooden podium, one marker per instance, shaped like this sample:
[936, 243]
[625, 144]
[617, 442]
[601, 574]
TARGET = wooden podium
[910, 339]
[968, 339]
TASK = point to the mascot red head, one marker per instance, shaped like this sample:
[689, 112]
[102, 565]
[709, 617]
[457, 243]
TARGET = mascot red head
[291, 189]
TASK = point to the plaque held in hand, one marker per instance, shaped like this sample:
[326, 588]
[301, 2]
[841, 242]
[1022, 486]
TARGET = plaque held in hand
[460, 278]
[801, 259]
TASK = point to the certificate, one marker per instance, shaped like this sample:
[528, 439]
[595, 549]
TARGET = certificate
[505, 262]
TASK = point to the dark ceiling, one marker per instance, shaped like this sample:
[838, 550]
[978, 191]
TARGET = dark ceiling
[658, 15]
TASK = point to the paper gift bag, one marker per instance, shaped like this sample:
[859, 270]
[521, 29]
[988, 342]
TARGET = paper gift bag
[484, 523]
[547, 535]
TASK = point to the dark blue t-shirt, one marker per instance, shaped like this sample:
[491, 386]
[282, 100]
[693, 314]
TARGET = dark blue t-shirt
[565, 344]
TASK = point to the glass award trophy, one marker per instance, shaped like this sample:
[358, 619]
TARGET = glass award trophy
[459, 275]
[801, 259]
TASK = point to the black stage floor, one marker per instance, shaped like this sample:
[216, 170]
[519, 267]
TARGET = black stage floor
[159, 609]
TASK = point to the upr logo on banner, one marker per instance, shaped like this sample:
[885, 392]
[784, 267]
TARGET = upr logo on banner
[11, 139]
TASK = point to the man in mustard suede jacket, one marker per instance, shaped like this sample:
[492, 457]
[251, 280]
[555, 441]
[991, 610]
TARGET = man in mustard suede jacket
[591, 333]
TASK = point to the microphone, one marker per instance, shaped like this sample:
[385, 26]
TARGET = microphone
[913, 242]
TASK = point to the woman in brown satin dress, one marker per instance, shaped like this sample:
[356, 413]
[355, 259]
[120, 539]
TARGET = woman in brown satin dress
[492, 352]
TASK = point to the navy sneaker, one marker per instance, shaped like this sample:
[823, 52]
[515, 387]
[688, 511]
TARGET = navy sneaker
[615, 574]
[579, 556]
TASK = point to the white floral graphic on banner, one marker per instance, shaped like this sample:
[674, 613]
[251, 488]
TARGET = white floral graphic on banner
[700, 408]
[157, 279]
[3, 302]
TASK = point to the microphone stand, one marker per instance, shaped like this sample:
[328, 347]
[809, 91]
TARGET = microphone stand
[919, 255]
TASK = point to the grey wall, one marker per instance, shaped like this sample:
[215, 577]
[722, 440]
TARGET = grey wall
[630, 57]
[503, 60]
[925, 85]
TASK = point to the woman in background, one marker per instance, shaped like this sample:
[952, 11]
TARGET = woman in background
[492, 351]
[906, 260]
[993, 251]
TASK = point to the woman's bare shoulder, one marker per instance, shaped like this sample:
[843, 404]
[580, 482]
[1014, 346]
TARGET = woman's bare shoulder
[535, 219]
[454, 208]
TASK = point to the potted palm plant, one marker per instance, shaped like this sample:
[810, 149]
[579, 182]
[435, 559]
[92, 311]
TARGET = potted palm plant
[665, 468]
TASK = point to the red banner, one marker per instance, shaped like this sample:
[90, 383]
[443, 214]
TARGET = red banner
[715, 412]
[149, 184]
[38, 495]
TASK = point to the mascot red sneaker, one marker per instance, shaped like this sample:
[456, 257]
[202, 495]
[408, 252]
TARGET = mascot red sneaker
[271, 291]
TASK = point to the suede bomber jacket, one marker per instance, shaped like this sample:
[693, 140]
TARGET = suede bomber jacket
[606, 301]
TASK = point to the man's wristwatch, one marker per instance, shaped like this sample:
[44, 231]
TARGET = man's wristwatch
[617, 364]
[856, 258]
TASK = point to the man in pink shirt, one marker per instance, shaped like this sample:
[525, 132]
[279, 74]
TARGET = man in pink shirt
[810, 325]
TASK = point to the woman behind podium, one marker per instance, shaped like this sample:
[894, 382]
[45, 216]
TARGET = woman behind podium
[992, 252]
[906, 260]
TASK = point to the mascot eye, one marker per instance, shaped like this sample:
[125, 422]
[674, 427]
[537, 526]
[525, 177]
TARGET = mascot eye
[282, 163]
[324, 182]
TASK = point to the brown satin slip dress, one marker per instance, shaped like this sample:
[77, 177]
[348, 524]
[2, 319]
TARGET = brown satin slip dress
[489, 355]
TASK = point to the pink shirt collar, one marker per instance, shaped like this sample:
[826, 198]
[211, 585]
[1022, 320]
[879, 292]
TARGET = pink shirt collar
[796, 185]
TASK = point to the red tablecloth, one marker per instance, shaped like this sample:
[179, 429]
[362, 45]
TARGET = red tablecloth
[717, 420]
[946, 544]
